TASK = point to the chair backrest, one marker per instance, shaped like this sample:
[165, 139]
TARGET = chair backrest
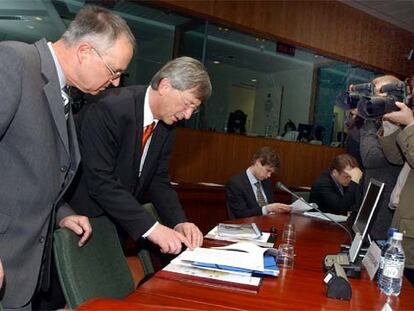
[230, 214]
[98, 269]
[143, 254]
[303, 194]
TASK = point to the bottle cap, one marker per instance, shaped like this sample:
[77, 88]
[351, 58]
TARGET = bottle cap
[397, 236]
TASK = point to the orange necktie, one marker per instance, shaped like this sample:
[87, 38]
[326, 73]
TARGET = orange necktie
[147, 133]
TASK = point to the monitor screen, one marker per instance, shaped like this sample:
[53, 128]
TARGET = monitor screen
[367, 208]
[305, 132]
[365, 213]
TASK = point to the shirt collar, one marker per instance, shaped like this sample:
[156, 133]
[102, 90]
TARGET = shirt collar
[148, 116]
[61, 75]
[253, 180]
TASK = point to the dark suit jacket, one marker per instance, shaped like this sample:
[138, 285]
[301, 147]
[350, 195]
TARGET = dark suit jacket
[326, 194]
[110, 133]
[241, 200]
[38, 159]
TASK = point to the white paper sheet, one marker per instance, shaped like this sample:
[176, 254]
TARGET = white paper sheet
[300, 206]
[246, 257]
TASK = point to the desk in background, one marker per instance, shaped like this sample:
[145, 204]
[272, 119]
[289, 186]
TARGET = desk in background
[299, 289]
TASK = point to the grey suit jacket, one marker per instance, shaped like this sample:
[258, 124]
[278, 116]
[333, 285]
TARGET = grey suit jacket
[38, 158]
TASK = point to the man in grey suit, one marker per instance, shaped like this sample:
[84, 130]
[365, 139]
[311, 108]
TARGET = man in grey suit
[39, 152]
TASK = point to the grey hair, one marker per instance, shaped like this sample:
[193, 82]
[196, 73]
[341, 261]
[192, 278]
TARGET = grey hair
[185, 73]
[98, 26]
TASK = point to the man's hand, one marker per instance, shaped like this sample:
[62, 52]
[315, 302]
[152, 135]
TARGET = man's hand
[167, 239]
[404, 116]
[191, 232]
[78, 224]
[1, 274]
[278, 208]
[355, 174]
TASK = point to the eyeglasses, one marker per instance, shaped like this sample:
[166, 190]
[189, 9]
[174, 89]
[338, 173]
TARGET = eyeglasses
[114, 74]
[194, 108]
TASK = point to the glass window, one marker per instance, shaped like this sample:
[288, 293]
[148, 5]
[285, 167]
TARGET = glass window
[260, 86]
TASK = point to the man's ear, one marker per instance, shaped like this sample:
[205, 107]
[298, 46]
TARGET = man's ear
[164, 86]
[335, 173]
[84, 51]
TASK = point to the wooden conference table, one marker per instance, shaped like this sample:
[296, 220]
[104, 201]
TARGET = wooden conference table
[301, 288]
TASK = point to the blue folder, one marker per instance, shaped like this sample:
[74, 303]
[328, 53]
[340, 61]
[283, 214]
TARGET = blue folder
[270, 267]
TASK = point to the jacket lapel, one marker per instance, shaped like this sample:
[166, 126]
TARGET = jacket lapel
[248, 187]
[52, 91]
[157, 141]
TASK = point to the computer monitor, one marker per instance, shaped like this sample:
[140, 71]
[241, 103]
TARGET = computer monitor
[305, 132]
[365, 213]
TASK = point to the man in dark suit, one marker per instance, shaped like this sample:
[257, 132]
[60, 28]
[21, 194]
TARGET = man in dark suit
[120, 163]
[337, 190]
[250, 193]
[39, 153]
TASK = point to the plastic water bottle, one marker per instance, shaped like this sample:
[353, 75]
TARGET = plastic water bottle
[394, 259]
[383, 250]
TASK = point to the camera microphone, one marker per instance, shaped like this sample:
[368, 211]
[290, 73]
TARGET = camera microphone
[281, 186]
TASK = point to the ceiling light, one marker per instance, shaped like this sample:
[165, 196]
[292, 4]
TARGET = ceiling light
[254, 80]
[30, 26]
[216, 62]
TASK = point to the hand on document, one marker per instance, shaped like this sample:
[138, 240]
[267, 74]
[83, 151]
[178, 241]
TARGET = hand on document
[278, 208]
[169, 240]
[191, 232]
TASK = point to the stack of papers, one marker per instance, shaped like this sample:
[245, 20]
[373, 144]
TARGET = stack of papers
[243, 231]
[240, 263]
[265, 240]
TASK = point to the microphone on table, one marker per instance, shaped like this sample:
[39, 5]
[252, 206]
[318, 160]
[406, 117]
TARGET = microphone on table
[282, 187]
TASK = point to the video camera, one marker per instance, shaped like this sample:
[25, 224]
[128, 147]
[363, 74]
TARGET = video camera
[370, 106]
[350, 99]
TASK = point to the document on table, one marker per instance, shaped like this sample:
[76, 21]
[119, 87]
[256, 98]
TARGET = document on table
[240, 255]
[178, 266]
[300, 206]
[263, 240]
[338, 218]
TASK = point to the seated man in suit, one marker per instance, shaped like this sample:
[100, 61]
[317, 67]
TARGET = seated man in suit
[337, 190]
[250, 193]
[126, 137]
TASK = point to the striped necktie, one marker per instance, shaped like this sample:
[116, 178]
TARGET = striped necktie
[259, 194]
[66, 101]
[147, 133]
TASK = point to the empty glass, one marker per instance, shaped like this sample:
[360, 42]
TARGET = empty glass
[289, 234]
[286, 256]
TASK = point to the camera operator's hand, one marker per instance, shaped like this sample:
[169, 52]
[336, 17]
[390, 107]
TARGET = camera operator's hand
[404, 116]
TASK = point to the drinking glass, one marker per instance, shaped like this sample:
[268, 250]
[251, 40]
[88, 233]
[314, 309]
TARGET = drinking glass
[286, 256]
